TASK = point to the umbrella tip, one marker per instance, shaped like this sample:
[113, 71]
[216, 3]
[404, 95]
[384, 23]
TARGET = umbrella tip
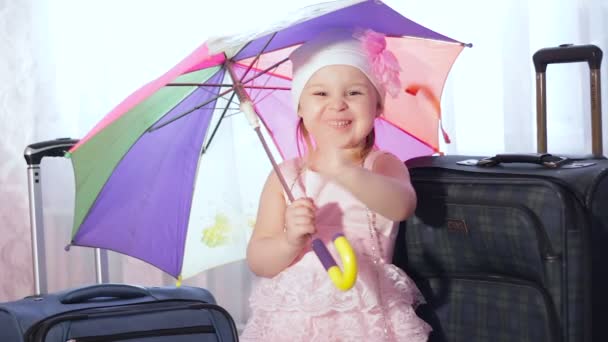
[469, 45]
[67, 247]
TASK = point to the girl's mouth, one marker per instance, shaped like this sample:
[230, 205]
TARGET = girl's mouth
[340, 123]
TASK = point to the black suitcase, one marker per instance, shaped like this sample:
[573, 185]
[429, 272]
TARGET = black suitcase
[513, 248]
[117, 312]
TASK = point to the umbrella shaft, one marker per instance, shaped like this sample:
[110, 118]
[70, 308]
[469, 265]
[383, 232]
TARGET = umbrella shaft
[274, 165]
[245, 101]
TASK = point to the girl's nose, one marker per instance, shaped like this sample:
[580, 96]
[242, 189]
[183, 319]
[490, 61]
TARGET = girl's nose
[338, 103]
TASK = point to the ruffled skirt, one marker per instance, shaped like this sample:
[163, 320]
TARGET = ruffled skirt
[301, 304]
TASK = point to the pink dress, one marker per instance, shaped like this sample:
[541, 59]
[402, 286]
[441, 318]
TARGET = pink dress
[302, 304]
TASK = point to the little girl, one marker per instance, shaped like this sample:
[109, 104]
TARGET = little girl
[342, 183]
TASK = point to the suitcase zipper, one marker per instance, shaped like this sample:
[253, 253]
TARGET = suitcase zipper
[38, 331]
[200, 329]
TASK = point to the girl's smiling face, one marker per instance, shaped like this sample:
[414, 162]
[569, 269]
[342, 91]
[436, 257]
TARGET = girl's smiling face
[338, 106]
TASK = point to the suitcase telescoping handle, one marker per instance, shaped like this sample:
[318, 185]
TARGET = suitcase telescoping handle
[569, 53]
[117, 291]
[33, 155]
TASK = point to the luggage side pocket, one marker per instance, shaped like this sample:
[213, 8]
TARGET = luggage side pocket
[476, 308]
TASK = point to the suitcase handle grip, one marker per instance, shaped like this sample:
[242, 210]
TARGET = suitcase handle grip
[34, 153]
[568, 53]
[544, 159]
[118, 291]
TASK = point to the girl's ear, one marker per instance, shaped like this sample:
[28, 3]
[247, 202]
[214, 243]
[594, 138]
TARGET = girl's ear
[379, 109]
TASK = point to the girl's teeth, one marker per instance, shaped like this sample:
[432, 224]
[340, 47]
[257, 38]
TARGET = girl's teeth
[342, 123]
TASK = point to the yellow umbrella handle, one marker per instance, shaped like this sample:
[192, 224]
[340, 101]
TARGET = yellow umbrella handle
[344, 280]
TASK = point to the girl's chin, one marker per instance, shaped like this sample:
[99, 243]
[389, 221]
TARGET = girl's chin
[341, 145]
[340, 141]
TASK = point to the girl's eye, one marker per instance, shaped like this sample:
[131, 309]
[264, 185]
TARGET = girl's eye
[354, 92]
[320, 93]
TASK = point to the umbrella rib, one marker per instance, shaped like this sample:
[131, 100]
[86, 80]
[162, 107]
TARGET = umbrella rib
[257, 57]
[265, 71]
[218, 123]
[224, 85]
[228, 108]
[467, 45]
[218, 96]
[233, 114]
[256, 99]
[189, 111]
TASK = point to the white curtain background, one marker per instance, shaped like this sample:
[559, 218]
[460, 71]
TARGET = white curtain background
[66, 63]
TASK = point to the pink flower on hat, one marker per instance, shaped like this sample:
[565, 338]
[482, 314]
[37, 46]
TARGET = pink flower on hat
[385, 65]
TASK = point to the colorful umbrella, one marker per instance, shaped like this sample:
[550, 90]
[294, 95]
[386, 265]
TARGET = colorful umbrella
[172, 175]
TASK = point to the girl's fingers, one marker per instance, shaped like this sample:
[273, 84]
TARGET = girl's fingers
[303, 220]
[304, 202]
[300, 218]
[301, 226]
[303, 231]
[303, 212]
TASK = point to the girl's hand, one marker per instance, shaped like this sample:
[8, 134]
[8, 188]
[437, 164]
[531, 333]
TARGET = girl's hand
[300, 222]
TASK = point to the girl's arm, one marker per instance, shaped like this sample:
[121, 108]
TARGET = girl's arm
[269, 251]
[386, 189]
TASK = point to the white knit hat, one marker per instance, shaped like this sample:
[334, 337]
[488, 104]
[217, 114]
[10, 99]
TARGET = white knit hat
[340, 47]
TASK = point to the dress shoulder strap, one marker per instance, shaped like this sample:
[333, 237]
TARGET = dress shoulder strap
[371, 158]
[291, 170]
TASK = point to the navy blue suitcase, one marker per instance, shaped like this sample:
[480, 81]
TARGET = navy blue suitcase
[104, 312]
[117, 312]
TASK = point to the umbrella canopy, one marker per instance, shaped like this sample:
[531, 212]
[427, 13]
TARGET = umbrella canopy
[172, 175]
